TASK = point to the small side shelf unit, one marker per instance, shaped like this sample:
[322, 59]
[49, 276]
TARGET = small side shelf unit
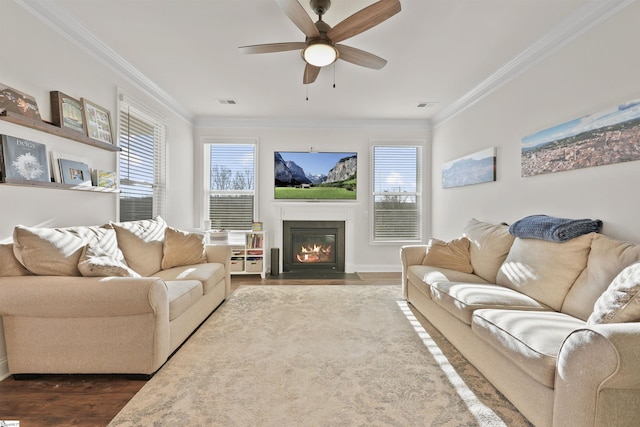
[248, 250]
[49, 128]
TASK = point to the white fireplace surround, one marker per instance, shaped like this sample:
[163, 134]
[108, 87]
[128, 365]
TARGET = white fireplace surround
[318, 212]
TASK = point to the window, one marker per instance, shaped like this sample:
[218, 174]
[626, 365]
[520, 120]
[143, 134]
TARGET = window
[231, 188]
[396, 193]
[142, 164]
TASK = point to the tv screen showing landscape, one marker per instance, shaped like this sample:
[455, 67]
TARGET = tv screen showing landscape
[315, 175]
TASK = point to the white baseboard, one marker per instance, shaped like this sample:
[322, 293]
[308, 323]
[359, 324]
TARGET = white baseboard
[378, 268]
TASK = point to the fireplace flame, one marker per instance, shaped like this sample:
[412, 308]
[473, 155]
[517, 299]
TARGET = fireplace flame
[315, 253]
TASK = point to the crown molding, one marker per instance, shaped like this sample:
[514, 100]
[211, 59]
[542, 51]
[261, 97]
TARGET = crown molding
[382, 124]
[589, 16]
[63, 23]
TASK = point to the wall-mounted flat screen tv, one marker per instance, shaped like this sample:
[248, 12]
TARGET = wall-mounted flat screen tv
[315, 175]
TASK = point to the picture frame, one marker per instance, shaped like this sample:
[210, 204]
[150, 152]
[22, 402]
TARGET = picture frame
[104, 179]
[603, 138]
[66, 112]
[97, 121]
[18, 102]
[75, 173]
[22, 159]
[475, 168]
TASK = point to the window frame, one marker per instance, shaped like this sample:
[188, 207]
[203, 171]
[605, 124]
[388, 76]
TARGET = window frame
[419, 194]
[206, 175]
[160, 128]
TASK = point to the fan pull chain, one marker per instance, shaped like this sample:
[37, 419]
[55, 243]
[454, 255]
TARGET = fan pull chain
[334, 75]
[307, 86]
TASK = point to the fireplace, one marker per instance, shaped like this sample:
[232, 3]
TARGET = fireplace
[313, 246]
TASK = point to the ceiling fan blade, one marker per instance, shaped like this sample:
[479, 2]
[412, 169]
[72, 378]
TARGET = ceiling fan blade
[364, 19]
[310, 74]
[360, 57]
[272, 47]
[294, 10]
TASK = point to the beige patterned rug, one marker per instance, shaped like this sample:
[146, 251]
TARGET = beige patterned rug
[307, 355]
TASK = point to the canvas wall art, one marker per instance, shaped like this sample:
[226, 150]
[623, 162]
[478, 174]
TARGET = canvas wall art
[611, 136]
[476, 168]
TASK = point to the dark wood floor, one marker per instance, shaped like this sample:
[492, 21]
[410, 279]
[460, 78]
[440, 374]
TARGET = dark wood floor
[93, 400]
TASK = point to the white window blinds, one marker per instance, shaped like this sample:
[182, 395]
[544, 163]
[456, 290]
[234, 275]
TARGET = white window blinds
[142, 165]
[231, 195]
[396, 198]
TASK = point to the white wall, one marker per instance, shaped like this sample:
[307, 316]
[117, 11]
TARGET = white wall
[361, 255]
[36, 60]
[597, 71]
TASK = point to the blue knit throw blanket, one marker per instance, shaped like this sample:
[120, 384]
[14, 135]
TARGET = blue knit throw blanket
[553, 229]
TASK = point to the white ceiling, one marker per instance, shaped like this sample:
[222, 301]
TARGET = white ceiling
[440, 51]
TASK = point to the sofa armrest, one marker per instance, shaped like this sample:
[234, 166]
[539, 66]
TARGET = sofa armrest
[221, 254]
[597, 377]
[64, 296]
[410, 255]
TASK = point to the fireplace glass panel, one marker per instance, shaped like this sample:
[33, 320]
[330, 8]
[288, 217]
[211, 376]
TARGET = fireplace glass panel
[313, 248]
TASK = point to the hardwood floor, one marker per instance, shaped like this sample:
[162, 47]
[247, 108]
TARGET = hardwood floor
[93, 400]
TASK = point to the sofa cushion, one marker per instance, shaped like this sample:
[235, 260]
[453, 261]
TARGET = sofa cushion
[141, 243]
[544, 270]
[429, 275]
[56, 251]
[530, 339]
[462, 299]
[95, 262]
[209, 274]
[182, 248]
[621, 301]
[182, 294]
[9, 264]
[489, 247]
[607, 258]
[453, 255]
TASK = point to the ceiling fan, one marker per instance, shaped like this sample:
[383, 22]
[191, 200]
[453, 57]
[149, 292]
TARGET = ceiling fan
[321, 47]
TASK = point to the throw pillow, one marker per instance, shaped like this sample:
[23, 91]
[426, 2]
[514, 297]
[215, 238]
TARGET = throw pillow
[621, 301]
[453, 255]
[9, 265]
[141, 243]
[489, 247]
[95, 262]
[183, 248]
[543, 270]
[56, 251]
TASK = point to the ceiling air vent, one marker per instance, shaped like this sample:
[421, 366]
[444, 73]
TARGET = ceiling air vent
[227, 101]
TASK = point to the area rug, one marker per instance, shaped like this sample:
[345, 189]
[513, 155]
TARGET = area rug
[314, 355]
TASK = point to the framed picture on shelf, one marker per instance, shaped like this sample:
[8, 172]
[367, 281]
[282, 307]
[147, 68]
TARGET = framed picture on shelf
[97, 121]
[73, 172]
[23, 159]
[66, 112]
[104, 179]
[18, 102]
[55, 157]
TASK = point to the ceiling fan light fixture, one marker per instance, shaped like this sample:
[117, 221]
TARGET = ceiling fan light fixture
[320, 54]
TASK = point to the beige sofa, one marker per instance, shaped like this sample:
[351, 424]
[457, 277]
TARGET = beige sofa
[554, 326]
[117, 298]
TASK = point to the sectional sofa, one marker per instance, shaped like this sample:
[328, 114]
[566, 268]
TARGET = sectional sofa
[552, 324]
[117, 298]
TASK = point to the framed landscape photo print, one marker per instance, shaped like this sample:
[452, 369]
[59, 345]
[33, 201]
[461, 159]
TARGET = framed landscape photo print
[66, 112]
[97, 121]
[476, 168]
